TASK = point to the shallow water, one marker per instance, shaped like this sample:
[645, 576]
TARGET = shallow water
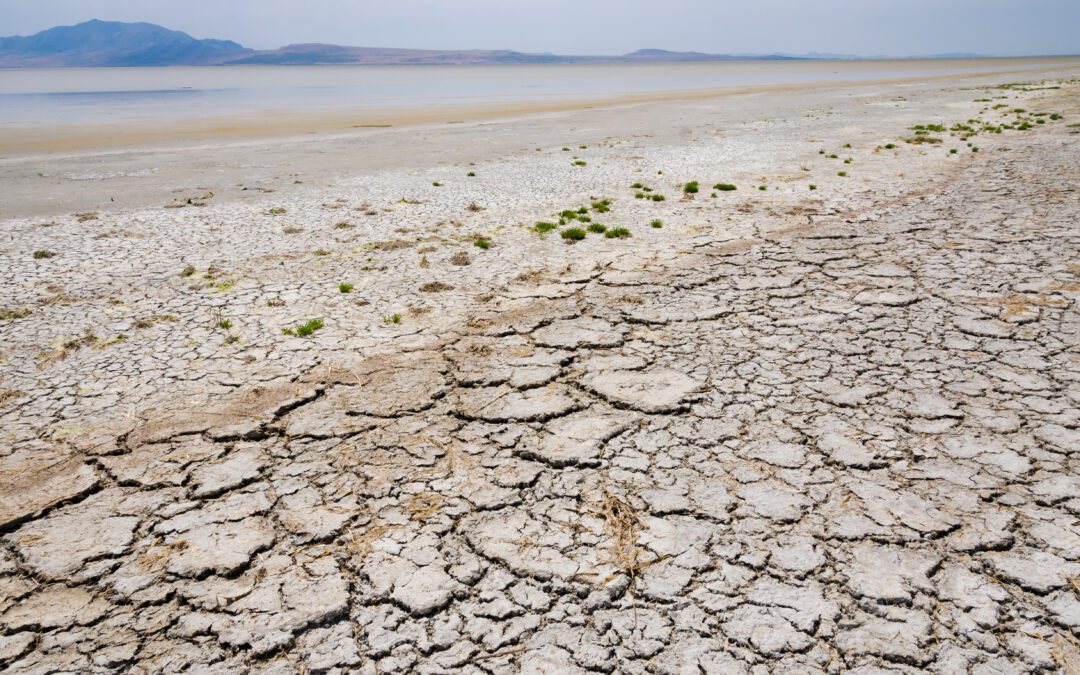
[74, 96]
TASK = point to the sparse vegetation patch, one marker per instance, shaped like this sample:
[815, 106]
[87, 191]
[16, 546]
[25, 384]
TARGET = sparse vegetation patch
[305, 329]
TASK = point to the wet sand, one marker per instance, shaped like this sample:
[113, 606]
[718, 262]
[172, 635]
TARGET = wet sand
[185, 129]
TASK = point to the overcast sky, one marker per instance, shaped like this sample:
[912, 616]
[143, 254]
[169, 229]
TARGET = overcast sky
[893, 27]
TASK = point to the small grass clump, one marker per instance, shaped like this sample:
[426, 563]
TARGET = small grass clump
[637, 186]
[573, 234]
[345, 287]
[305, 329]
[393, 318]
[842, 174]
[763, 188]
[344, 225]
[813, 187]
[225, 324]
[436, 184]
[656, 224]
[277, 211]
[618, 233]
[43, 255]
[471, 174]
[12, 314]
[657, 198]
[542, 227]
[691, 188]
[581, 162]
[482, 243]
[597, 228]
[953, 151]
[724, 187]
[919, 140]
[890, 146]
[601, 205]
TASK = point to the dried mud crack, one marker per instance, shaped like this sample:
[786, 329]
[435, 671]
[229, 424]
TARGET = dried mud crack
[852, 444]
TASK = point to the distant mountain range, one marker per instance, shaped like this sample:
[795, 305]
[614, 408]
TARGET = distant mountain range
[108, 43]
[112, 44]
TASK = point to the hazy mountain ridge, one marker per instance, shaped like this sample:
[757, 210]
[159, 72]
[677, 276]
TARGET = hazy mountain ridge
[110, 43]
[308, 54]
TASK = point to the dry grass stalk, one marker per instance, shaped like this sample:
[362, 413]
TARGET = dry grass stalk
[1066, 654]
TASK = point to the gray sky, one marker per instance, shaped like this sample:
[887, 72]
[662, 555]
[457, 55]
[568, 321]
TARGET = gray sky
[893, 27]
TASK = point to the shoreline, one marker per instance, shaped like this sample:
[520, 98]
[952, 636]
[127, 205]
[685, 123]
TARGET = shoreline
[23, 143]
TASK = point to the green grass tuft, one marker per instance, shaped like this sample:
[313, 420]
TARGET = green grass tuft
[544, 227]
[345, 288]
[618, 233]
[482, 243]
[657, 224]
[597, 228]
[573, 234]
[305, 329]
[724, 187]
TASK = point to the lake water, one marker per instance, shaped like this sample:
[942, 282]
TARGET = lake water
[76, 96]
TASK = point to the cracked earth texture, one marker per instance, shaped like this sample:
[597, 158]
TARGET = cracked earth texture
[847, 441]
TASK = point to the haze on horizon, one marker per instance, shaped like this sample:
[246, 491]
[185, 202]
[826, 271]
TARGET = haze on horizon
[880, 27]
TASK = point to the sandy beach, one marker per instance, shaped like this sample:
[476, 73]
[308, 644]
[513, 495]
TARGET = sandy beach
[336, 403]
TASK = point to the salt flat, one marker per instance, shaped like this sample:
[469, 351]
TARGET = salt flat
[791, 430]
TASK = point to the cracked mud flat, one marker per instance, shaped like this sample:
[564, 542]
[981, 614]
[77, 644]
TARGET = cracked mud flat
[791, 431]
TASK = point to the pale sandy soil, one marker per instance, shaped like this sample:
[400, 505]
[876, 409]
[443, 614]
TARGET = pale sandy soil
[791, 430]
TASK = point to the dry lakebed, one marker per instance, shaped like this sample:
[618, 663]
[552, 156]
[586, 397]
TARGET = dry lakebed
[776, 382]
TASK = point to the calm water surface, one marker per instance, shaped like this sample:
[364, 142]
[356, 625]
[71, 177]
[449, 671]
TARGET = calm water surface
[65, 96]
